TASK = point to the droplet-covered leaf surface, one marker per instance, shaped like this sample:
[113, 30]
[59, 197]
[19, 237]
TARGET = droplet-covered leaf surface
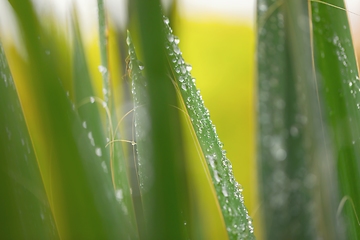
[237, 220]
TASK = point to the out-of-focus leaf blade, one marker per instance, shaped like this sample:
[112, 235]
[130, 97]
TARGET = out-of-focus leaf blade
[141, 125]
[85, 101]
[283, 158]
[297, 180]
[25, 212]
[118, 166]
[166, 199]
[104, 67]
[84, 202]
[338, 80]
[237, 220]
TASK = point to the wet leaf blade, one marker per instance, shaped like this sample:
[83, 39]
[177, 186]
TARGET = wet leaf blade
[228, 192]
[288, 120]
[338, 79]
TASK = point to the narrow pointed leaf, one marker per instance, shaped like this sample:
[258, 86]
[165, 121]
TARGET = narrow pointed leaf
[103, 44]
[87, 103]
[118, 164]
[141, 111]
[237, 220]
[141, 128]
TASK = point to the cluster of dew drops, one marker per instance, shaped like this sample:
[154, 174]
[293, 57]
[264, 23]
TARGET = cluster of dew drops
[230, 190]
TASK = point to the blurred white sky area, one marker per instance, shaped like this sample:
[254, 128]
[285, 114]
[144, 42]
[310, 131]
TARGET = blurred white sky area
[228, 10]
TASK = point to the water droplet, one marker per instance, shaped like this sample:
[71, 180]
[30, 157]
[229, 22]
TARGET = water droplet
[350, 84]
[91, 138]
[224, 191]
[166, 20]
[294, 131]
[84, 124]
[263, 7]
[170, 37]
[102, 69]
[104, 104]
[103, 165]
[92, 99]
[216, 176]
[211, 159]
[181, 79]
[183, 69]
[98, 152]
[188, 67]
[280, 154]
[176, 49]
[141, 67]
[119, 194]
[176, 40]
[47, 52]
[128, 40]
[183, 86]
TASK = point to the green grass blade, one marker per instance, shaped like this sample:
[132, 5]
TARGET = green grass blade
[284, 81]
[104, 67]
[118, 162]
[25, 211]
[87, 103]
[110, 152]
[166, 202]
[237, 220]
[295, 169]
[338, 81]
[141, 111]
[141, 117]
[84, 202]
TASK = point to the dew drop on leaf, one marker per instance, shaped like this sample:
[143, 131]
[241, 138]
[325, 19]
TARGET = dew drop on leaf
[102, 69]
[170, 37]
[98, 152]
[119, 194]
[188, 67]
